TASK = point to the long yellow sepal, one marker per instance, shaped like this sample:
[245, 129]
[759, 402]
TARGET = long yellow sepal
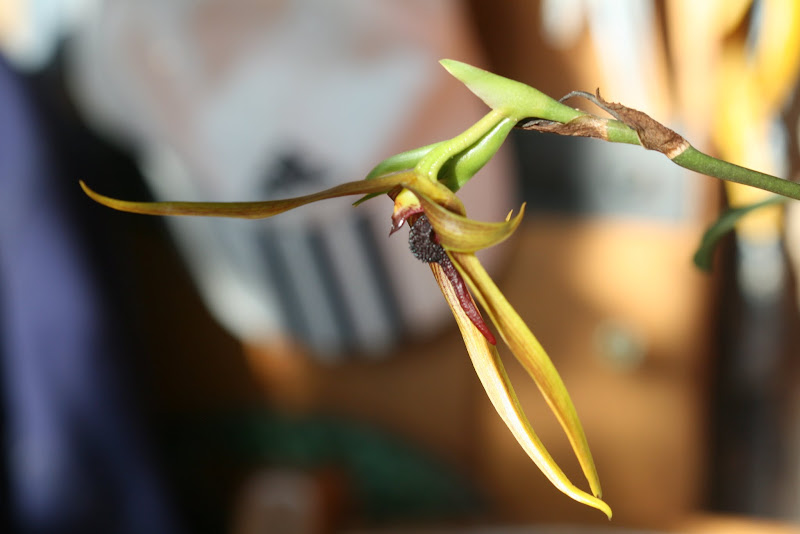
[498, 387]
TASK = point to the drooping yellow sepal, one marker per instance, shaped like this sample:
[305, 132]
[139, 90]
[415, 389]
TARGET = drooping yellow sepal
[269, 208]
[495, 381]
[530, 353]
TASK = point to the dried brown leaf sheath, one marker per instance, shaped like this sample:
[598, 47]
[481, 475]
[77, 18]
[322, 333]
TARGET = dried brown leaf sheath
[652, 134]
[583, 126]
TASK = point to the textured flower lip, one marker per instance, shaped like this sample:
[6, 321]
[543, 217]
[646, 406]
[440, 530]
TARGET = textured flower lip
[423, 243]
[425, 246]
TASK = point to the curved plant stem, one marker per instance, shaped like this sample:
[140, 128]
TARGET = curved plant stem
[619, 132]
[432, 161]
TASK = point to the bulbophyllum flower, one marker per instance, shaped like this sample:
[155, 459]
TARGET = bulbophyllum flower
[422, 183]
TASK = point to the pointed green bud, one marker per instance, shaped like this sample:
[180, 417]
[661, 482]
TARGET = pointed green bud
[514, 99]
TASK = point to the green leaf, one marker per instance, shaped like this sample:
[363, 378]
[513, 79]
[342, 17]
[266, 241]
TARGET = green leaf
[704, 256]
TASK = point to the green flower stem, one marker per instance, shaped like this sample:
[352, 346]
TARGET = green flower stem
[619, 132]
[516, 101]
[433, 161]
[697, 161]
[694, 160]
[393, 164]
[461, 168]
[401, 162]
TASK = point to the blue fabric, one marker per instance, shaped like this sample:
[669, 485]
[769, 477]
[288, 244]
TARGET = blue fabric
[75, 450]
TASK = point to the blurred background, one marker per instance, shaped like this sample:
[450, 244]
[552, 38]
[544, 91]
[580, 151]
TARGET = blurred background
[302, 374]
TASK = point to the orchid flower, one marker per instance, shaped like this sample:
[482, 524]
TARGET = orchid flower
[422, 183]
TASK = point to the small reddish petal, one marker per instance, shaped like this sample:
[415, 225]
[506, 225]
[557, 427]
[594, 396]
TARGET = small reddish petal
[396, 226]
[399, 217]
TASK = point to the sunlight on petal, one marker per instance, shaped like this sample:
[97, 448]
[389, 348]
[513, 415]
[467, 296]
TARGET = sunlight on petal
[460, 234]
[527, 349]
[495, 381]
